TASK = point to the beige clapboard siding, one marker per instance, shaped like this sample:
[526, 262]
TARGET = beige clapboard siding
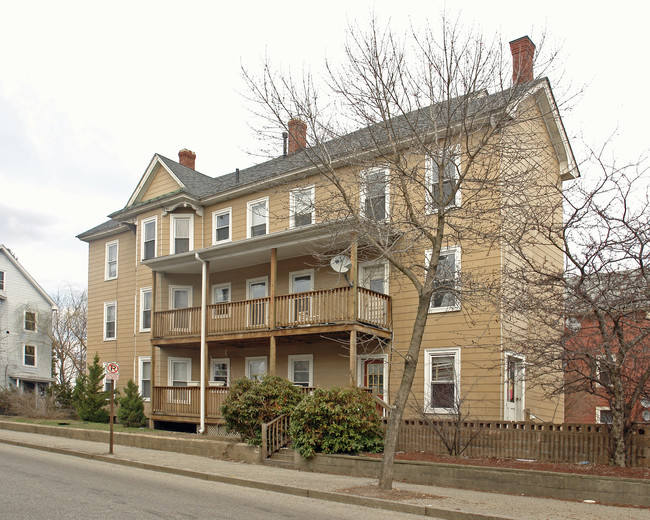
[161, 184]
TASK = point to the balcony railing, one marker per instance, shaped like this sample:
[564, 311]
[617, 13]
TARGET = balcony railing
[291, 310]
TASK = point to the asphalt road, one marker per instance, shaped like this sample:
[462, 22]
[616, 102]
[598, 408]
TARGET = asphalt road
[36, 484]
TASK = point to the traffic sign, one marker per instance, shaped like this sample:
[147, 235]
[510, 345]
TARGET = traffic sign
[112, 371]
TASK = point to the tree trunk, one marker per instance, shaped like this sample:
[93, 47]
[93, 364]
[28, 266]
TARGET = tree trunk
[397, 410]
[618, 430]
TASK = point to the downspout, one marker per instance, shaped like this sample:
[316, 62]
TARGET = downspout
[204, 286]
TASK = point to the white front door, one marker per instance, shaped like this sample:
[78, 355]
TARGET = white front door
[256, 290]
[514, 389]
[302, 282]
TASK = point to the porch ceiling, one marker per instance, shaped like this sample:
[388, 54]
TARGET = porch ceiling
[290, 243]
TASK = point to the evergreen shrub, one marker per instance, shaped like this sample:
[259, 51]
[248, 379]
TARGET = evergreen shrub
[88, 397]
[131, 407]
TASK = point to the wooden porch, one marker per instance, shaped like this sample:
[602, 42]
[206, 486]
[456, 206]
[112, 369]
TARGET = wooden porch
[331, 307]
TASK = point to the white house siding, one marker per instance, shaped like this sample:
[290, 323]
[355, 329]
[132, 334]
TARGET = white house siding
[20, 294]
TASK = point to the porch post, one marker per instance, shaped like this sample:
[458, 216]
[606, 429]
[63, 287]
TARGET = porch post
[153, 345]
[272, 281]
[355, 310]
[353, 358]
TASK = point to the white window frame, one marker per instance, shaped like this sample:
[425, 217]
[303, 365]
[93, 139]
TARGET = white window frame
[107, 275]
[363, 191]
[141, 361]
[427, 262]
[293, 194]
[366, 268]
[25, 320]
[25, 354]
[106, 383]
[251, 281]
[3, 280]
[215, 312]
[249, 215]
[432, 206]
[215, 215]
[143, 224]
[144, 290]
[291, 359]
[305, 272]
[106, 306]
[172, 231]
[255, 358]
[170, 364]
[429, 354]
[190, 295]
[600, 409]
[225, 361]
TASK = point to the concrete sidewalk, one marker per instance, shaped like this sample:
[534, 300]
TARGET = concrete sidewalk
[442, 502]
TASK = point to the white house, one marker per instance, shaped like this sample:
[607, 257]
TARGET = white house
[25, 318]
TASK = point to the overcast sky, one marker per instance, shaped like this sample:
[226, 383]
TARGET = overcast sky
[89, 91]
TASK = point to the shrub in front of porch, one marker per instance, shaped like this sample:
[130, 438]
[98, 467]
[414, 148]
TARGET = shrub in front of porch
[131, 409]
[338, 420]
[253, 402]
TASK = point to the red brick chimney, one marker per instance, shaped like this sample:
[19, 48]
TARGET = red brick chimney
[187, 158]
[297, 135]
[523, 52]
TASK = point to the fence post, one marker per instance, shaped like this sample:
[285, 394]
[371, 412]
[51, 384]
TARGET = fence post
[265, 442]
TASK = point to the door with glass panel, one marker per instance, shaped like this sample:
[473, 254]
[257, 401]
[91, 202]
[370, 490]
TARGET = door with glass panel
[514, 390]
[180, 299]
[301, 285]
[257, 306]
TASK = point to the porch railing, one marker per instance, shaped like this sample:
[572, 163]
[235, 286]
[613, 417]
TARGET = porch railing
[275, 435]
[292, 310]
[186, 400]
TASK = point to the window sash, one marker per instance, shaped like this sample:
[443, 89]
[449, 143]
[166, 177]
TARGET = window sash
[30, 321]
[29, 358]
[220, 372]
[146, 309]
[111, 261]
[182, 230]
[222, 227]
[145, 379]
[302, 207]
[445, 294]
[149, 240]
[109, 321]
[374, 194]
[2, 280]
[258, 218]
[449, 160]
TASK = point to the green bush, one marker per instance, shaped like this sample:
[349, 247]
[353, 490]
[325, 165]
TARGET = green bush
[131, 407]
[88, 397]
[338, 420]
[253, 402]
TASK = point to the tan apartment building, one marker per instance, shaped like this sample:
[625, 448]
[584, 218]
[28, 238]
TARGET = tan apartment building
[201, 280]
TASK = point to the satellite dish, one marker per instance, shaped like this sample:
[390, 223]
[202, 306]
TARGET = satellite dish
[341, 263]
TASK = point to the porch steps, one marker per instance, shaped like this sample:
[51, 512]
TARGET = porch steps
[281, 459]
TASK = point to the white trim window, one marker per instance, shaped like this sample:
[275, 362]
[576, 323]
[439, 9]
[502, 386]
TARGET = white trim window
[448, 161]
[374, 194]
[257, 217]
[110, 321]
[374, 276]
[180, 297]
[145, 309]
[182, 233]
[106, 383]
[221, 294]
[29, 321]
[604, 415]
[301, 370]
[144, 379]
[221, 226]
[2, 280]
[149, 237]
[441, 380]
[110, 272]
[256, 367]
[29, 356]
[446, 286]
[179, 371]
[302, 208]
[220, 371]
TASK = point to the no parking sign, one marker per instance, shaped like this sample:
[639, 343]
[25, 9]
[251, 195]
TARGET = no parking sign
[112, 371]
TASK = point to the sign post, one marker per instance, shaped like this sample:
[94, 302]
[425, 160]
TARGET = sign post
[112, 374]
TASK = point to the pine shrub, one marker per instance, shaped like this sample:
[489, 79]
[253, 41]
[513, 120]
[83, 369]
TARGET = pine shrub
[131, 407]
[88, 397]
[250, 403]
[338, 420]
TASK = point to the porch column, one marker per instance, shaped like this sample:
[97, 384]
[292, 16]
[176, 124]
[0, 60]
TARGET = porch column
[153, 304]
[272, 281]
[153, 345]
[355, 310]
[353, 358]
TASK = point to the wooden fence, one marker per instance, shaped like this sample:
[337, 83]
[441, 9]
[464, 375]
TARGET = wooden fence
[578, 443]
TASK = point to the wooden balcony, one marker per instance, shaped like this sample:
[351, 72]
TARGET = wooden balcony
[307, 309]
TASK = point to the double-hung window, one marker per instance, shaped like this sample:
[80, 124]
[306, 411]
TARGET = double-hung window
[145, 377]
[446, 287]
[148, 234]
[2, 280]
[442, 174]
[257, 218]
[111, 260]
[221, 224]
[182, 233]
[301, 206]
[374, 193]
[221, 372]
[110, 319]
[29, 323]
[441, 380]
[301, 370]
[221, 297]
[29, 356]
[145, 309]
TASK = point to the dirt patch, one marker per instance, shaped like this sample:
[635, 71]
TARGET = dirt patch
[559, 467]
[371, 491]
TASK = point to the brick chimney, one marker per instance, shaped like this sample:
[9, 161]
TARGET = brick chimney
[297, 135]
[187, 158]
[523, 52]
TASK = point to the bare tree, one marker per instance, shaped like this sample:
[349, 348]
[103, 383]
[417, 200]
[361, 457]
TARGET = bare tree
[69, 336]
[590, 321]
[397, 134]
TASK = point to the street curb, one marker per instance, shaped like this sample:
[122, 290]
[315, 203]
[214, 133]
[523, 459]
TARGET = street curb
[330, 496]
